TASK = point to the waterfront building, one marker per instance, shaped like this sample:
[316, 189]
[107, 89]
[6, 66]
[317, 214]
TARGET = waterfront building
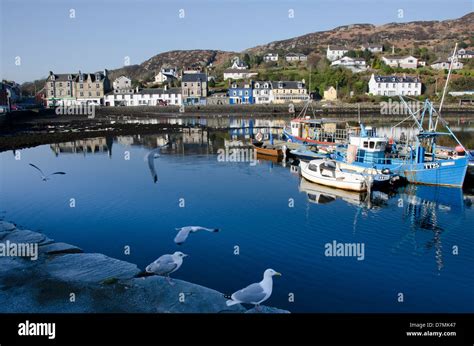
[145, 97]
[394, 85]
[241, 92]
[262, 92]
[91, 87]
[60, 89]
[289, 92]
[330, 94]
[194, 89]
[218, 99]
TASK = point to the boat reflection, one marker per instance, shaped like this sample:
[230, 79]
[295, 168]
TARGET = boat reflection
[320, 194]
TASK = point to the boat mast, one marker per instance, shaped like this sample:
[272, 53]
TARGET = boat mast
[453, 58]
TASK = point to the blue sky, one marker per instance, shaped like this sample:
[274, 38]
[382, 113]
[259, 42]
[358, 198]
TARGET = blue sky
[104, 32]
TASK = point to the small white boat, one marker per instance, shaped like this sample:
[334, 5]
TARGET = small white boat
[328, 172]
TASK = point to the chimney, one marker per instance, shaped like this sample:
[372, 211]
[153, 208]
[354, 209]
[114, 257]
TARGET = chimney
[393, 50]
[50, 73]
[166, 87]
[136, 89]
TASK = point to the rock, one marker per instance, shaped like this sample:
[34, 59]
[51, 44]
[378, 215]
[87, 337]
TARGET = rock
[162, 297]
[6, 226]
[92, 268]
[59, 248]
[266, 310]
[26, 236]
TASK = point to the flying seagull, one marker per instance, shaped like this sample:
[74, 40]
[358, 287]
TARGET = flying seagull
[166, 264]
[255, 293]
[45, 177]
[184, 232]
[150, 157]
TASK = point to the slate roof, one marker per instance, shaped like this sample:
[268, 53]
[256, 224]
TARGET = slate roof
[397, 79]
[287, 84]
[195, 77]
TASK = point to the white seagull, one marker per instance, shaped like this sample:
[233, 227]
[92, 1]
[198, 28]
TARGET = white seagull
[184, 232]
[43, 176]
[150, 157]
[255, 293]
[166, 264]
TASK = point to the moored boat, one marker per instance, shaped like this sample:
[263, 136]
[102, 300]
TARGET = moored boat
[329, 173]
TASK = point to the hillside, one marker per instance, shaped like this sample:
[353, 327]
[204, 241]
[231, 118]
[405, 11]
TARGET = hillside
[439, 34]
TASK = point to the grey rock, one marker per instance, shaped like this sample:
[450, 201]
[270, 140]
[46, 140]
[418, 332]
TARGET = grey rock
[6, 226]
[59, 248]
[26, 236]
[92, 268]
[266, 310]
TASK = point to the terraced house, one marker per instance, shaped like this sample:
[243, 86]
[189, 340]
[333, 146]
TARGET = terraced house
[92, 87]
[60, 89]
[194, 88]
[289, 92]
[69, 89]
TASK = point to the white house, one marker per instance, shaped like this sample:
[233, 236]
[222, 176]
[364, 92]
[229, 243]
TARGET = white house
[232, 73]
[166, 74]
[238, 65]
[145, 97]
[353, 64]
[465, 54]
[292, 57]
[270, 57]
[373, 48]
[262, 92]
[122, 84]
[394, 85]
[444, 65]
[335, 52]
[400, 61]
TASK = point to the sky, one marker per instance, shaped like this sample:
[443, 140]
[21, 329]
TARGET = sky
[38, 36]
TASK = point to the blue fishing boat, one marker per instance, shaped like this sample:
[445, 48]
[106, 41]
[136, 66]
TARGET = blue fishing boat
[416, 161]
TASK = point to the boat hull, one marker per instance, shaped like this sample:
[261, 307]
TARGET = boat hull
[275, 152]
[450, 173]
[359, 186]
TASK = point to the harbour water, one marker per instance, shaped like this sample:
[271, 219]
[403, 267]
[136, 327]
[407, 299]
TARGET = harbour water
[416, 242]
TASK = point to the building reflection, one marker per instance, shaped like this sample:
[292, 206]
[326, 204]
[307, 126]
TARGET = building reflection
[97, 145]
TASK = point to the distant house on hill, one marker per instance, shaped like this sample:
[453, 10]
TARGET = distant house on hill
[166, 74]
[444, 65]
[236, 74]
[465, 54]
[122, 84]
[353, 64]
[294, 57]
[373, 48]
[330, 94]
[336, 52]
[400, 61]
[270, 57]
[394, 85]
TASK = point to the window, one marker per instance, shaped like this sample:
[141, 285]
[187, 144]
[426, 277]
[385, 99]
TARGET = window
[97, 85]
[81, 93]
[90, 94]
[371, 145]
[81, 86]
[185, 84]
[60, 84]
[386, 85]
[98, 93]
[52, 85]
[366, 144]
[68, 92]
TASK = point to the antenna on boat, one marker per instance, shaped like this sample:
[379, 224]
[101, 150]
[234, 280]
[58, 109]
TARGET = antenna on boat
[453, 57]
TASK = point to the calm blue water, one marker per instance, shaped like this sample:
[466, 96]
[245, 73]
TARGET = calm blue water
[408, 238]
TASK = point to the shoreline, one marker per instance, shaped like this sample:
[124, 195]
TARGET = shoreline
[65, 279]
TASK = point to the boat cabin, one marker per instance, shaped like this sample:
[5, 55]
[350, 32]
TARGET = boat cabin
[318, 129]
[367, 149]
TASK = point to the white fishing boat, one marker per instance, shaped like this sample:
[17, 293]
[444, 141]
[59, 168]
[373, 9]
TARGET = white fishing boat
[328, 172]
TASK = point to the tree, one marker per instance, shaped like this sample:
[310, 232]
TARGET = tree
[212, 83]
[246, 59]
[463, 45]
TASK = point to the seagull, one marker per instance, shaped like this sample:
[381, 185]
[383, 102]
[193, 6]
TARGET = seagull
[150, 157]
[255, 293]
[184, 232]
[45, 177]
[166, 264]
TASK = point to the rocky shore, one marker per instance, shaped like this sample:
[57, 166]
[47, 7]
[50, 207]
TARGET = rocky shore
[64, 279]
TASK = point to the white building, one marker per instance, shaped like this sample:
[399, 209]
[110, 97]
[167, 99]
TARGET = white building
[262, 92]
[335, 52]
[465, 54]
[237, 64]
[122, 84]
[353, 64]
[270, 57]
[166, 74]
[444, 65]
[236, 74]
[145, 97]
[394, 85]
[294, 57]
[400, 61]
[373, 48]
